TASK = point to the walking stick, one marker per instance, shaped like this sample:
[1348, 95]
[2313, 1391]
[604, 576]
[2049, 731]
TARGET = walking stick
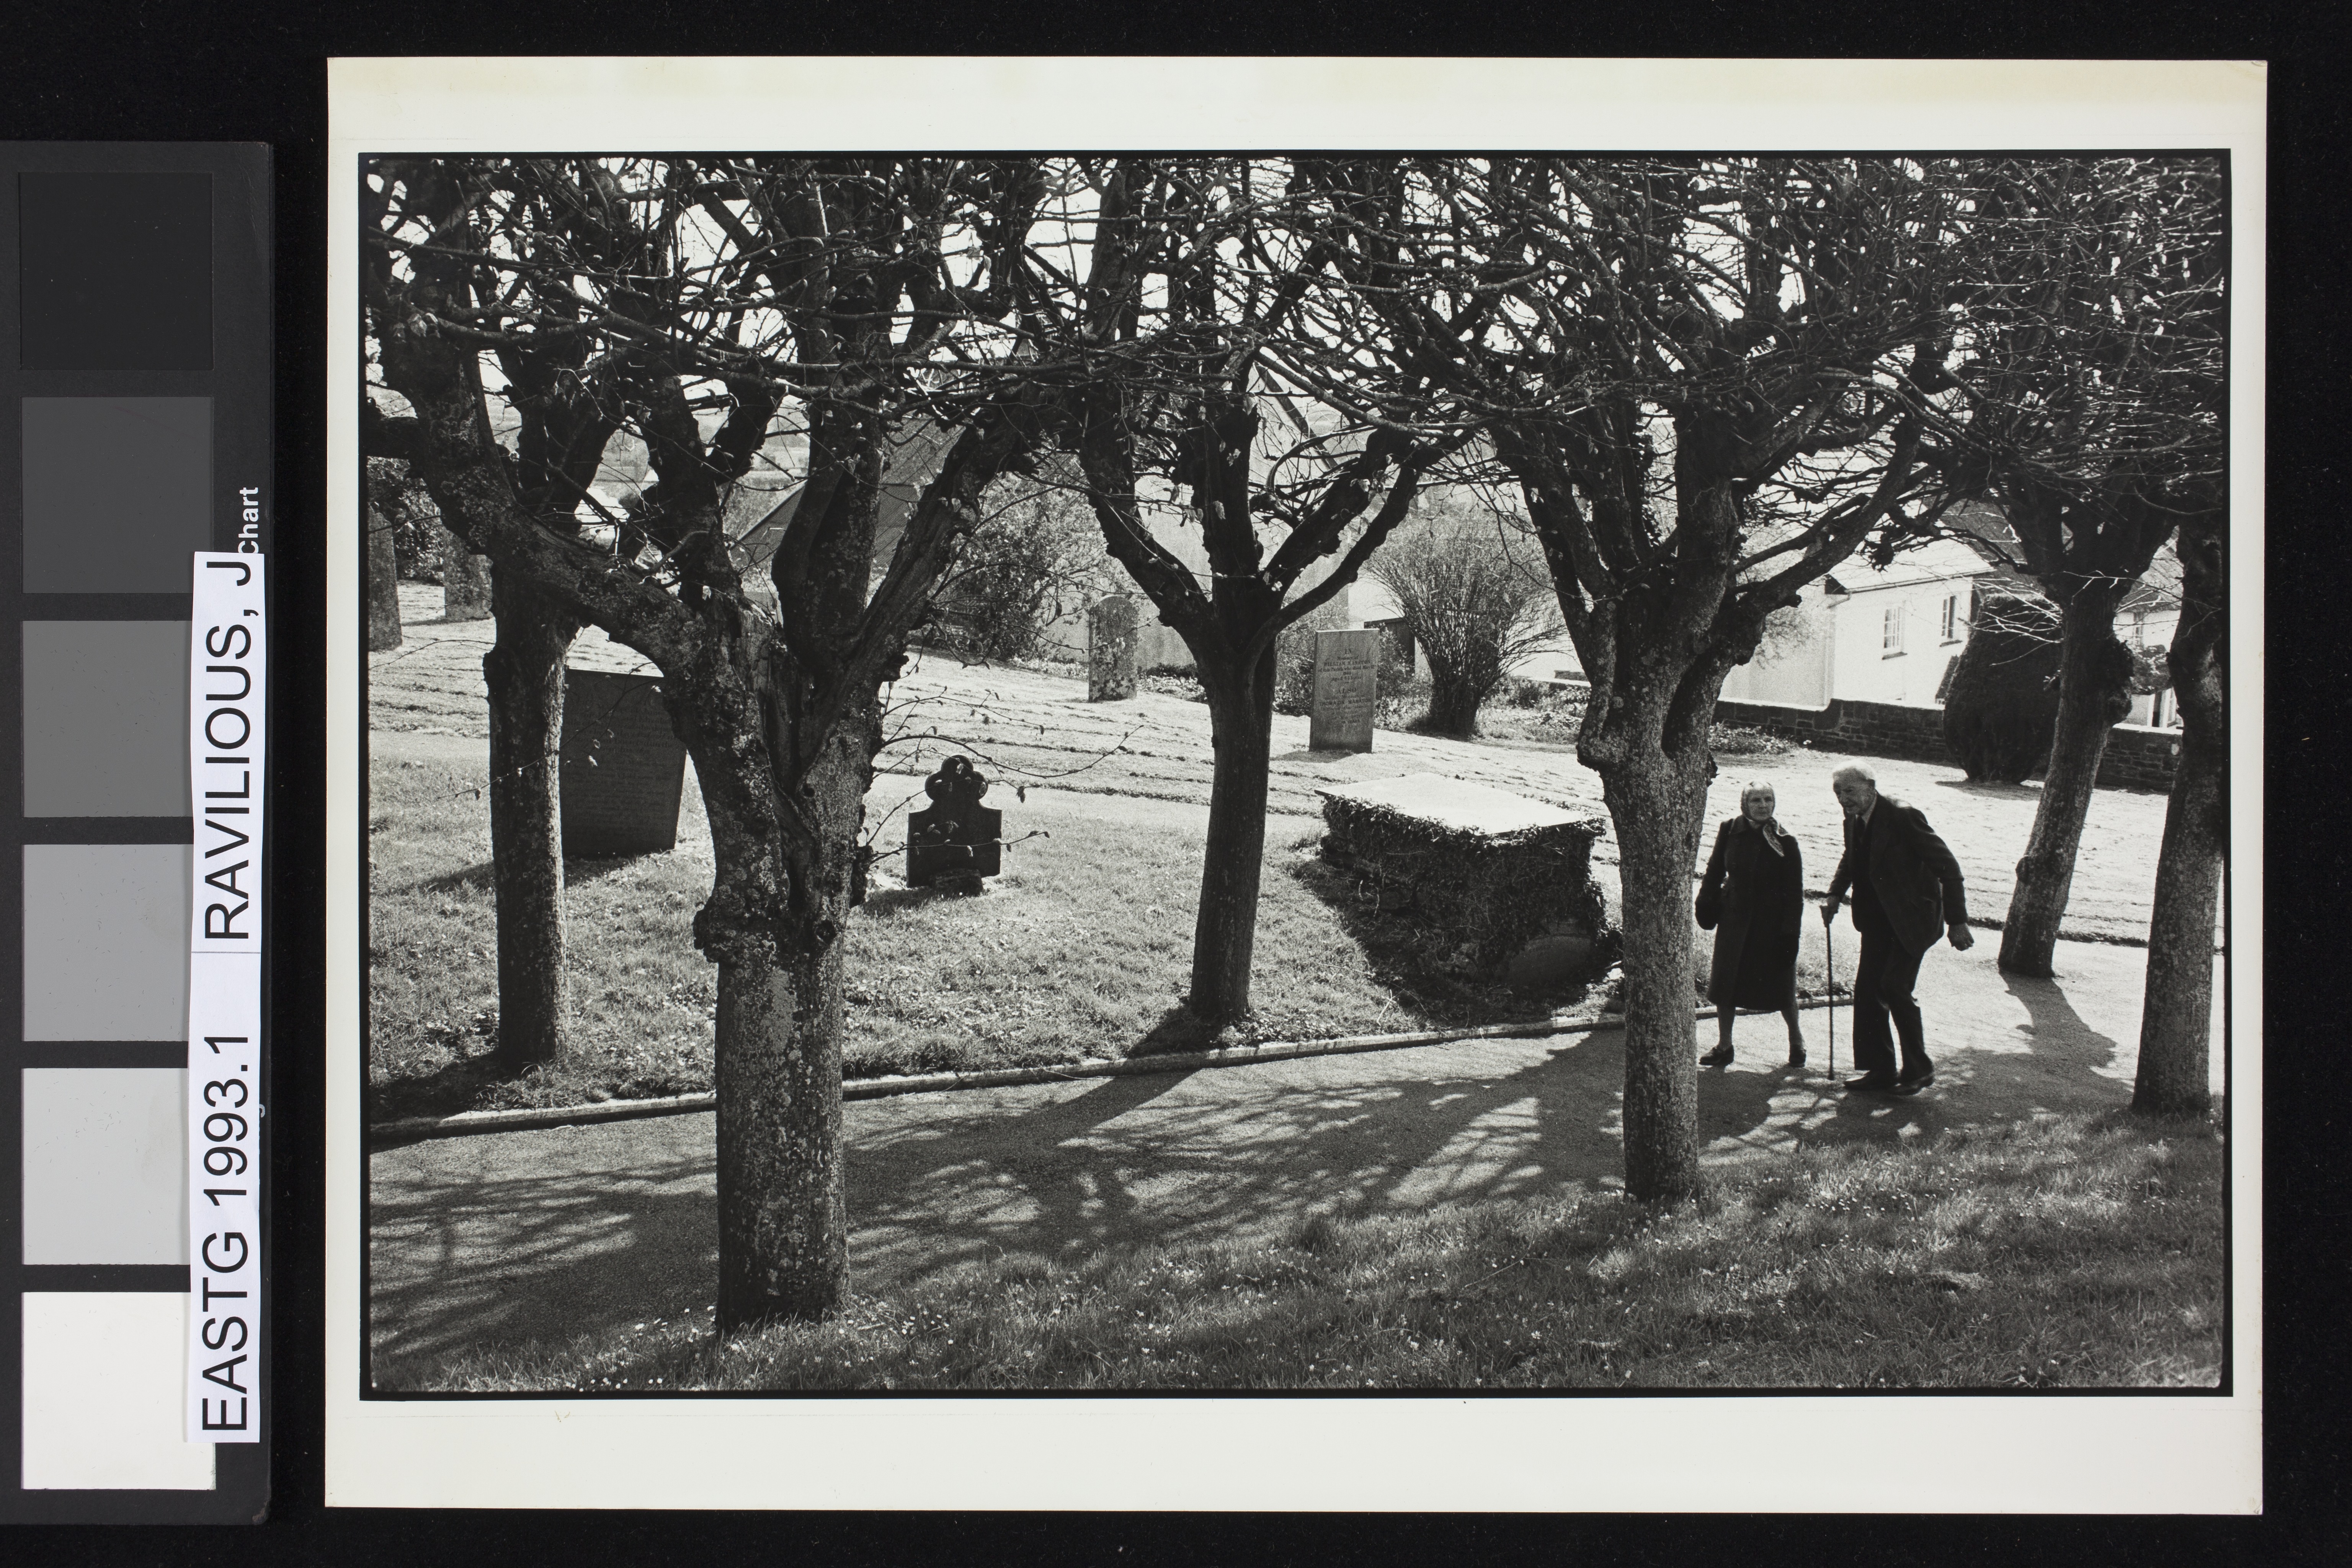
[1829, 962]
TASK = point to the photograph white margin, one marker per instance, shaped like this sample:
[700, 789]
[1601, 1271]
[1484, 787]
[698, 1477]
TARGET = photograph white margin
[2140, 1453]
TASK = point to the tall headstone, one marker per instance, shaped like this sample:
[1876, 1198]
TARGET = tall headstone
[623, 768]
[1347, 691]
[956, 841]
[464, 579]
[382, 570]
[1110, 649]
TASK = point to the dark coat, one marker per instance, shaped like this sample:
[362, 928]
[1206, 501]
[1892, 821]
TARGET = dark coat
[1754, 900]
[1911, 869]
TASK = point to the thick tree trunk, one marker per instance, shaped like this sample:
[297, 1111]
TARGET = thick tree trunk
[1655, 803]
[464, 579]
[1453, 702]
[524, 670]
[776, 935]
[2093, 695]
[380, 566]
[2177, 1009]
[1225, 936]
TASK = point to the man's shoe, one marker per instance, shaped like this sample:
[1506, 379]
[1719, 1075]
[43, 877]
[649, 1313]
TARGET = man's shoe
[1912, 1083]
[1870, 1083]
[1718, 1058]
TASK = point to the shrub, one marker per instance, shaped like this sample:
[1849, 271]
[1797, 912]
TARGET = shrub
[1476, 600]
[1736, 741]
[2001, 711]
[399, 497]
[1039, 548]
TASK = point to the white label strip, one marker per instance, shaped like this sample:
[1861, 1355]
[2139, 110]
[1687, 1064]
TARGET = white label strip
[227, 698]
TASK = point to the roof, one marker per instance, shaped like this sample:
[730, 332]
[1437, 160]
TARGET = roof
[914, 460]
[1931, 561]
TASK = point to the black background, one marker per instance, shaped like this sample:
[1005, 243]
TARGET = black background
[170, 70]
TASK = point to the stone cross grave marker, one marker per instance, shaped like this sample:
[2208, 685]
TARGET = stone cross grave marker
[1110, 649]
[956, 840]
[623, 768]
[1347, 681]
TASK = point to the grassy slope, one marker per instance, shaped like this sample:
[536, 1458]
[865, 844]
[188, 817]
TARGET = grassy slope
[1078, 950]
[2063, 1251]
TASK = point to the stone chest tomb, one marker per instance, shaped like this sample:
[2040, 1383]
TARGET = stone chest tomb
[1507, 882]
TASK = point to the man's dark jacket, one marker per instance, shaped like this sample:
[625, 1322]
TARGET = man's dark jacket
[1912, 872]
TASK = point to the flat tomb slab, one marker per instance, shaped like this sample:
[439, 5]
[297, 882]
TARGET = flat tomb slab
[1457, 805]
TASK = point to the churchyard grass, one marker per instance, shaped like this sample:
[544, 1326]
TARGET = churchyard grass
[2060, 1251]
[1078, 950]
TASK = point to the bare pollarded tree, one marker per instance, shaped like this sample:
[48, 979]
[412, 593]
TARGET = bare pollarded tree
[1704, 378]
[2093, 392]
[703, 305]
[1217, 387]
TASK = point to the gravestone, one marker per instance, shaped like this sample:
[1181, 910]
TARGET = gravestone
[1110, 649]
[955, 842]
[464, 579]
[1504, 882]
[622, 767]
[1347, 691]
[381, 571]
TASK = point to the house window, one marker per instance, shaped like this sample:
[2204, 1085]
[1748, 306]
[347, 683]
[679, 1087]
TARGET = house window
[2139, 629]
[1890, 637]
[1951, 617]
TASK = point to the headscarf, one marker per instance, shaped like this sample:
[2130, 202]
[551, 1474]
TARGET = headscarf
[1771, 826]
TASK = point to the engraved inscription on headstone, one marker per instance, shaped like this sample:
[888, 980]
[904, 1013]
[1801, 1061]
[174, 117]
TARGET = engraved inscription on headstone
[1110, 649]
[1346, 673]
[623, 768]
[955, 841]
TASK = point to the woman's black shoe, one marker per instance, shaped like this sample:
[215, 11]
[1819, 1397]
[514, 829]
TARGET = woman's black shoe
[1718, 1058]
[1796, 1055]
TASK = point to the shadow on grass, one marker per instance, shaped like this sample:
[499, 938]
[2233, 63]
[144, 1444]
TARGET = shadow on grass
[882, 903]
[478, 879]
[482, 875]
[455, 1086]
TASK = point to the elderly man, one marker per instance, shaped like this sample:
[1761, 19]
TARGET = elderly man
[1906, 893]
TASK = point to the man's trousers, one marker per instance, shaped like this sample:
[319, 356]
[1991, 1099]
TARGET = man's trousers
[1883, 979]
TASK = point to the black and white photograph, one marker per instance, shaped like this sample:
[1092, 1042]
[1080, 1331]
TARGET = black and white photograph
[1448, 778]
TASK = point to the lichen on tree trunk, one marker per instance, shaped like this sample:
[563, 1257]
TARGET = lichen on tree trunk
[524, 673]
[773, 924]
[1655, 802]
[2093, 695]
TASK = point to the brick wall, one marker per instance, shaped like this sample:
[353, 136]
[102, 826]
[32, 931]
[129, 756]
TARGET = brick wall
[2137, 756]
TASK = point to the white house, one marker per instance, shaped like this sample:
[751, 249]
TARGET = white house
[1873, 634]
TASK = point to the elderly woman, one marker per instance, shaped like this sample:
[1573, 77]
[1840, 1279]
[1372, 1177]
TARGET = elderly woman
[1753, 898]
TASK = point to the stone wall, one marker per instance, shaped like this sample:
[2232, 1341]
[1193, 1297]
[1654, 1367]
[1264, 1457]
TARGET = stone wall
[2137, 756]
